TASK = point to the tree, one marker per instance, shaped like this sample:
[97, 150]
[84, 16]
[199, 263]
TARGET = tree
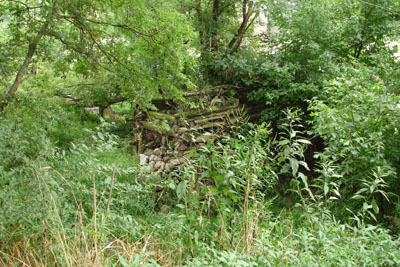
[123, 42]
[221, 26]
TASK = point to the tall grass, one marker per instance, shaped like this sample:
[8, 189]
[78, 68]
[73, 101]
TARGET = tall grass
[86, 203]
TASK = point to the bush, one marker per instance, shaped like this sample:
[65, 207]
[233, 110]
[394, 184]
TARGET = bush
[358, 121]
[44, 166]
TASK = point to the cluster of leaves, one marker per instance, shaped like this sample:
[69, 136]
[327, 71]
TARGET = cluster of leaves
[222, 171]
[358, 120]
[217, 210]
[46, 168]
[307, 43]
[321, 241]
[121, 49]
[207, 221]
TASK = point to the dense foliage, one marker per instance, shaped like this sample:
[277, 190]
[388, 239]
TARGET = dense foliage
[315, 181]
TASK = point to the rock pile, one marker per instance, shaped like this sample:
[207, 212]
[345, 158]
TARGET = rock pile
[164, 138]
[162, 161]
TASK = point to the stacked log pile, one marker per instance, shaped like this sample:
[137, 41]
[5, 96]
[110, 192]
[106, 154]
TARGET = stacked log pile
[165, 138]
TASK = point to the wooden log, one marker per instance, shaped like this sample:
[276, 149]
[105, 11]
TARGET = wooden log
[158, 128]
[206, 126]
[189, 114]
[111, 113]
[201, 114]
[162, 116]
[206, 138]
[212, 117]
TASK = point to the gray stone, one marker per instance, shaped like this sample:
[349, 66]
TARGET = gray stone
[182, 147]
[184, 160]
[161, 167]
[148, 152]
[158, 165]
[157, 152]
[150, 167]
[174, 162]
[154, 158]
[143, 159]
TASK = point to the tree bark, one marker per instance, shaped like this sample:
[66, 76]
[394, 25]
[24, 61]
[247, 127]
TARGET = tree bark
[20, 75]
[247, 12]
[214, 27]
[111, 113]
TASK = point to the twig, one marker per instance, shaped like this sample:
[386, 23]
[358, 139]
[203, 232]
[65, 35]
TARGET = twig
[123, 26]
[24, 264]
[26, 6]
[85, 84]
[69, 185]
[147, 242]
[109, 195]
[94, 215]
[380, 7]
[291, 230]
[277, 218]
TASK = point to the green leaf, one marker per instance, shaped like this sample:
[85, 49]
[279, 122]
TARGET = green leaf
[283, 142]
[234, 198]
[205, 174]
[280, 159]
[101, 136]
[181, 190]
[181, 206]
[123, 261]
[172, 185]
[366, 206]
[326, 188]
[136, 259]
[304, 164]
[362, 190]
[294, 164]
[375, 206]
[191, 152]
[304, 141]
[230, 174]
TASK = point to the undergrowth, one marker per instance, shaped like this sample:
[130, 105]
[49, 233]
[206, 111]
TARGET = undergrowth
[78, 198]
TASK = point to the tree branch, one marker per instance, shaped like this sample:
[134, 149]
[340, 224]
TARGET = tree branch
[85, 84]
[380, 7]
[247, 12]
[25, 5]
[28, 58]
[122, 26]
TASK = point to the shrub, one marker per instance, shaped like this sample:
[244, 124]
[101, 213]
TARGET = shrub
[358, 121]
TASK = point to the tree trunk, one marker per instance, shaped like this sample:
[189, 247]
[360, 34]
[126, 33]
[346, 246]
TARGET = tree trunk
[25, 65]
[247, 12]
[214, 27]
[101, 110]
[111, 113]
[358, 49]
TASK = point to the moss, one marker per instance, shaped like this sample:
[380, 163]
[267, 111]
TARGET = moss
[162, 116]
[162, 128]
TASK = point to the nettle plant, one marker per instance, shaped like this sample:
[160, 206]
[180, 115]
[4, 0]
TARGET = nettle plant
[291, 147]
[226, 169]
[359, 123]
[228, 182]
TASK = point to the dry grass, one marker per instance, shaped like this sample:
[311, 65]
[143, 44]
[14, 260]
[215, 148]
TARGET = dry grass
[87, 246]
[57, 250]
